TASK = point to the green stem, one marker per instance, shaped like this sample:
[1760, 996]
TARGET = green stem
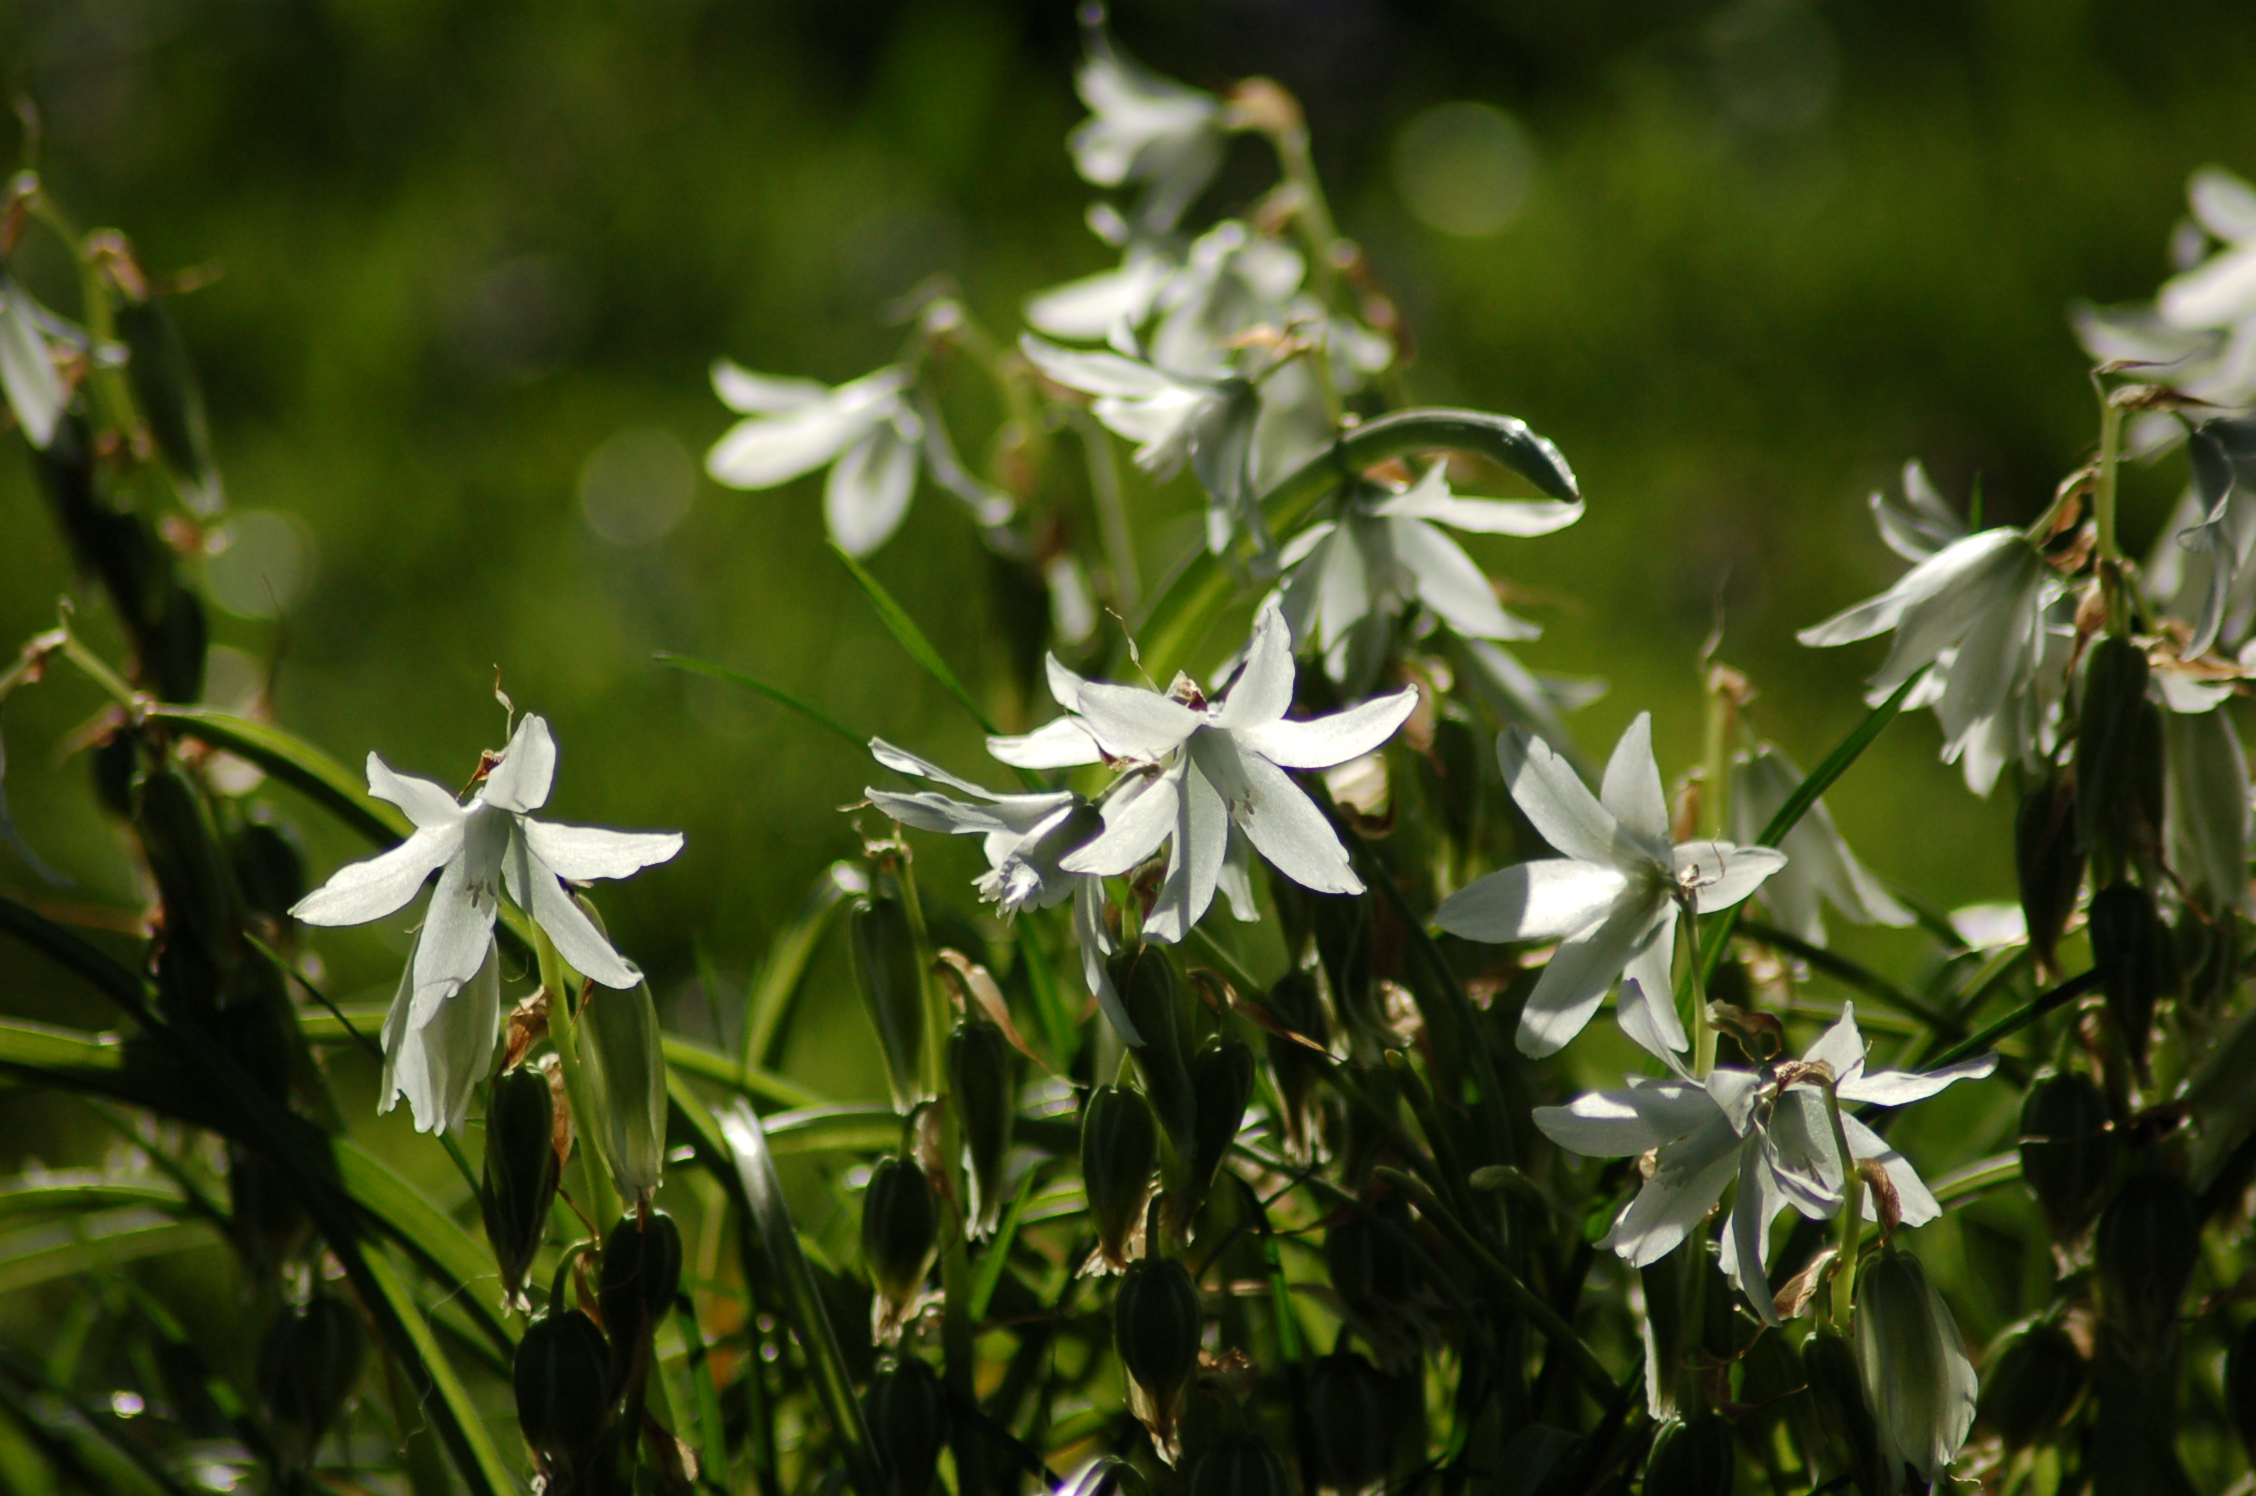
[1112, 511]
[1852, 1212]
[579, 1087]
[1703, 1028]
[2103, 482]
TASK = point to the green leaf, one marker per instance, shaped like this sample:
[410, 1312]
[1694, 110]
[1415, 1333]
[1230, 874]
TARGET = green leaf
[786, 964]
[849, 1127]
[911, 638]
[774, 693]
[84, 1191]
[296, 763]
[33, 1257]
[136, 1071]
[464, 1269]
[997, 1256]
[779, 1239]
[74, 952]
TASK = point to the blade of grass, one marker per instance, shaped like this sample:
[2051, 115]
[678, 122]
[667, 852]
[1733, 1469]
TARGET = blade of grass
[295, 762]
[850, 1127]
[786, 965]
[712, 1433]
[33, 1257]
[1850, 974]
[775, 694]
[464, 1270]
[997, 1255]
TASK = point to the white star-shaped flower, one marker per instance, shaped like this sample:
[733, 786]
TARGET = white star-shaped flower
[1819, 864]
[1200, 773]
[437, 1065]
[866, 432]
[1144, 128]
[478, 850]
[1767, 1128]
[1612, 901]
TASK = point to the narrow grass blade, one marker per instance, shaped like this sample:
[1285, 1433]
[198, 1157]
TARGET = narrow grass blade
[712, 1433]
[996, 1258]
[74, 952]
[464, 1270]
[779, 1240]
[775, 694]
[295, 762]
[911, 638]
[852, 1127]
[786, 965]
[34, 1257]
[82, 1191]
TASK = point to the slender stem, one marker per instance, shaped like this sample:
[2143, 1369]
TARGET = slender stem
[1852, 1212]
[579, 1087]
[1703, 1029]
[98, 670]
[2103, 482]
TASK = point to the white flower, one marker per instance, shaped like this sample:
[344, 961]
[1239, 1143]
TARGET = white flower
[1385, 550]
[866, 431]
[1819, 863]
[2201, 330]
[1026, 837]
[1144, 128]
[1976, 610]
[2206, 815]
[27, 373]
[1611, 902]
[1205, 774]
[1767, 1128]
[1914, 1366]
[437, 1064]
[478, 850]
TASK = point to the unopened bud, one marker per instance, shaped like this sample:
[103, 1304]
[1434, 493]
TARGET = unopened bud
[2111, 816]
[1844, 1417]
[2146, 1247]
[521, 1169]
[1359, 1421]
[269, 867]
[908, 1422]
[1343, 947]
[309, 1364]
[623, 1050]
[1695, 1458]
[2068, 1150]
[266, 1214]
[1299, 1006]
[165, 387]
[2049, 861]
[2131, 949]
[2034, 1379]
[1241, 1465]
[984, 1094]
[1156, 1323]
[640, 1273]
[203, 922]
[563, 1382]
[1154, 997]
[1917, 1378]
[886, 971]
[900, 1233]
[1222, 1082]
[1119, 1150]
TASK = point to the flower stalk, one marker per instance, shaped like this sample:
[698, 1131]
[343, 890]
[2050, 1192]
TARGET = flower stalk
[563, 1033]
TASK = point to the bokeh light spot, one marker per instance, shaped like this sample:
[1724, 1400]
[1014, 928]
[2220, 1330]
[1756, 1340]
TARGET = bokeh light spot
[637, 486]
[1464, 168]
[264, 565]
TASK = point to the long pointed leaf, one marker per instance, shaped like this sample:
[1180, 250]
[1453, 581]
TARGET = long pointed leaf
[465, 1270]
[911, 638]
[786, 964]
[295, 762]
[774, 693]
[35, 1257]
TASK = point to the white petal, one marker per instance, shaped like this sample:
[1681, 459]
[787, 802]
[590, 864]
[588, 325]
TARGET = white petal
[1137, 819]
[27, 373]
[1324, 742]
[869, 489]
[1095, 940]
[1581, 970]
[1283, 824]
[1943, 573]
[1264, 689]
[748, 393]
[1898, 1087]
[1917, 1201]
[533, 884]
[1798, 1146]
[1555, 799]
[1688, 1178]
[1062, 743]
[1841, 1047]
[428, 804]
[929, 810]
[1720, 874]
[1236, 882]
[2216, 293]
[584, 852]
[520, 782]
[445, 1059]
[1746, 1244]
[457, 934]
[1194, 865]
[1430, 499]
[900, 761]
[764, 451]
[376, 886]
[1620, 1124]
[1088, 308]
[1543, 900]
[1646, 1009]
[1632, 792]
[1096, 373]
[1736, 1093]
[2224, 203]
[1133, 723]
[1450, 584]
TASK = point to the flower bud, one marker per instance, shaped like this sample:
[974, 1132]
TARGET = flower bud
[520, 1172]
[202, 943]
[563, 1382]
[1377, 1277]
[1695, 1458]
[2049, 861]
[900, 1234]
[308, 1365]
[1917, 1378]
[1844, 1417]
[1359, 1421]
[2111, 749]
[1154, 998]
[269, 868]
[984, 1094]
[2146, 1246]
[908, 1422]
[1298, 1005]
[2068, 1150]
[165, 387]
[1222, 1083]
[267, 1217]
[892, 987]
[1240, 1465]
[2240, 1387]
[1119, 1150]
[2132, 950]
[1156, 1322]
[624, 1053]
[640, 1273]
[2035, 1377]
[1343, 948]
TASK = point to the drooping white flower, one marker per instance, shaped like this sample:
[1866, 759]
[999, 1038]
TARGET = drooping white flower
[1143, 128]
[866, 432]
[437, 1064]
[1200, 773]
[1611, 902]
[2206, 813]
[479, 850]
[2199, 334]
[1819, 864]
[1026, 838]
[1975, 611]
[27, 373]
[1768, 1128]
[1384, 551]
[1917, 1376]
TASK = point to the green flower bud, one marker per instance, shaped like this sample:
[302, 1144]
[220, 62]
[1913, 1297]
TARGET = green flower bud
[2147, 1245]
[562, 1378]
[1343, 947]
[1119, 1150]
[269, 867]
[2111, 749]
[113, 764]
[1843, 1417]
[1377, 1277]
[1156, 1322]
[892, 987]
[1222, 1083]
[984, 1093]
[1917, 1378]
[165, 387]
[2132, 950]
[1154, 997]
[900, 1234]
[624, 1054]
[2049, 861]
[2036, 1375]
[308, 1365]
[907, 1414]
[1240, 1465]
[640, 1273]
[2068, 1150]
[202, 944]
[269, 1219]
[2240, 1387]
[520, 1174]
[1695, 1458]
[1299, 1006]
[1359, 1421]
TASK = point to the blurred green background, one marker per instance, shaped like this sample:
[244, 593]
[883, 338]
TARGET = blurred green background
[1740, 260]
